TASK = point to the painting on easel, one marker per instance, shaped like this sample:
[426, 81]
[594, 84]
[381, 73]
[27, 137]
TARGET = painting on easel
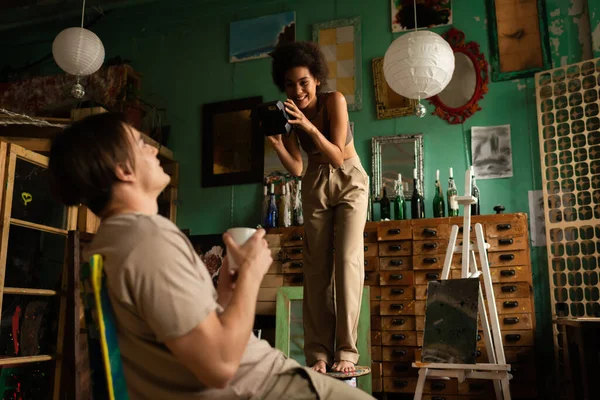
[451, 321]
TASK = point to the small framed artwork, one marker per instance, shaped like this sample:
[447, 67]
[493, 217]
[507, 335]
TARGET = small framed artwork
[430, 14]
[389, 104]
[255, 38]
[340, 41]
[519, 42]
[232, 144]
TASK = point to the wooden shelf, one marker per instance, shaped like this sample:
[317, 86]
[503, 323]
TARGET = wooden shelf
[30, 292]
[38, 227]
[25, 360]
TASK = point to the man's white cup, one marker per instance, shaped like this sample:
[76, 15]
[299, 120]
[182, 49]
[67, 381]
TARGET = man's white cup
[239, 236]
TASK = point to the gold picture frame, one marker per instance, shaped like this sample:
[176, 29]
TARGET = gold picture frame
[389, 104]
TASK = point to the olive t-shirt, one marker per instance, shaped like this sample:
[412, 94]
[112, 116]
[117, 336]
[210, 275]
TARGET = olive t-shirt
[160, 289]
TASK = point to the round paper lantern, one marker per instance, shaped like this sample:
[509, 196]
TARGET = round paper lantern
[418, 65]
[78, 51]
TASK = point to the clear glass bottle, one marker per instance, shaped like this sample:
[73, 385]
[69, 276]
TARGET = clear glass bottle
[451, 194]
[439, 207]
[298, 214]
[475, 208]
[399, 201]
[272, 213]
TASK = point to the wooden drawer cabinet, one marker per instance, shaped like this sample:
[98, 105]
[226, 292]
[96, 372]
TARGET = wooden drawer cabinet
[401, 258]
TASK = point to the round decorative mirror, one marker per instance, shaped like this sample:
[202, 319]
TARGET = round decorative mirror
[459, 100]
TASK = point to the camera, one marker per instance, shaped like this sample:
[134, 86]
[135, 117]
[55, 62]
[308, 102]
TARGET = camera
[273, 119]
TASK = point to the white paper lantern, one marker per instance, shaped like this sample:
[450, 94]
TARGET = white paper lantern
[418, 65]
[78, 51]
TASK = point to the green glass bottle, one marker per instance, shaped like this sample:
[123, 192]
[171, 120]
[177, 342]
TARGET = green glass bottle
[452, 193]
[399, 202]
[439, 207]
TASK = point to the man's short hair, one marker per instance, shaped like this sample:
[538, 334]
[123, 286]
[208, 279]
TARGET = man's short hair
[84, 157]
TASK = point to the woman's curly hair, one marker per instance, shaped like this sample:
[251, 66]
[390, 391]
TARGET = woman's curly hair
[298, 54]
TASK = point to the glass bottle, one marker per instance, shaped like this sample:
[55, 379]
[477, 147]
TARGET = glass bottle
[272, 213]
[475, 208]
[286, 211]
[417, 202]
[399, 202]
[265, 206]
[439, 207]
[298, 214]
[369, 201]
[386, 211]
[452, 193]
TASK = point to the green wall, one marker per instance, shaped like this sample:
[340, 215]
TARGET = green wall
[182, 50]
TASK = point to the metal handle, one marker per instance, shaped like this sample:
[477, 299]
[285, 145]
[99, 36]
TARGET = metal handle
[505, 241]
[507, 257]
[296, 251]
[399, 352]
[365, 235]
[398, 336]
[478, 337]
[395, 247]
[509, 289]
[508, 272]
[430, 260]
[397, 277]
[514, 337]
[296, 237]
[478, 353]
[511, 304]
[429, 232]
[366, 276]
[397, 306]
[393, 231]
[400, 384]
[438, 385]
[366, 248]
[430, 246]
[511, 320]
[396, 263]
[398, 321]
[432, 275]
[366, 263]
[503, 227]
[397, 291]
[296, 265]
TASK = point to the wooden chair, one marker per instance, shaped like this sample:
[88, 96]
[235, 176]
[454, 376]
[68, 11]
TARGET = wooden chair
[108, 380]
[289, 333]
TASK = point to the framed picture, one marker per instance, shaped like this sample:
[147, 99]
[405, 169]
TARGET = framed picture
[430, 14]
[519, 43]
[255, 38]
[389, 104]
[340, 41]
[232, 144]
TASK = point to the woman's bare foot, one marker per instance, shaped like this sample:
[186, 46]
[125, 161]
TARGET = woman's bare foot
[343, 366]
[319, 366]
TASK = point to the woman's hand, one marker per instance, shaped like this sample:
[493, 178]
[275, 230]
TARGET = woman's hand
[300, 119]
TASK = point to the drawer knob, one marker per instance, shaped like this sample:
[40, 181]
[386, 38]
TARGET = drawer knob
[505, 242]
[400, 384]
[366, 248]
[429, 232]
[397, 277]
[366, 263]
[398, 336]
[503, 227]
[296, 251]
[398, 321]
[511, 304]
[478, 337]
[397, 306]
[508, 289]
[508, 272]
[396, 263]
[511, 320]
[393, 231]
[430, 246]
[397, 352]
[366, 235]
[296, 238]
[432, 275]
[401, 367]
[478, 352]
[430, 260]
[296, 265]
[397, 291]
[438, 385]
[395, 247]
[507, 257]
[515, 337]
[460, 229]
[366, 276]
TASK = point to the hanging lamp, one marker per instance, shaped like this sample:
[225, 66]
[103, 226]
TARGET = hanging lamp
[78, 51]
[418, 65]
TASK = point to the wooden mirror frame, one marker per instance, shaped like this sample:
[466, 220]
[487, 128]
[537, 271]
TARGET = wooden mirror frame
[458, 115]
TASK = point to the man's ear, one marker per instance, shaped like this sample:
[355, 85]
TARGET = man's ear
[124, 172]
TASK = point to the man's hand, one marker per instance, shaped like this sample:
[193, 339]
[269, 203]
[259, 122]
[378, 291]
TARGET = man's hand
[226, 283]
[253, 258]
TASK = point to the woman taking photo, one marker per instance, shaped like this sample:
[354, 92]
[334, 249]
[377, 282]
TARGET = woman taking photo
[334, 197]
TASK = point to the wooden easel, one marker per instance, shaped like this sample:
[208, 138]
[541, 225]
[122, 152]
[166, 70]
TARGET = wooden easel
[496, 369]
